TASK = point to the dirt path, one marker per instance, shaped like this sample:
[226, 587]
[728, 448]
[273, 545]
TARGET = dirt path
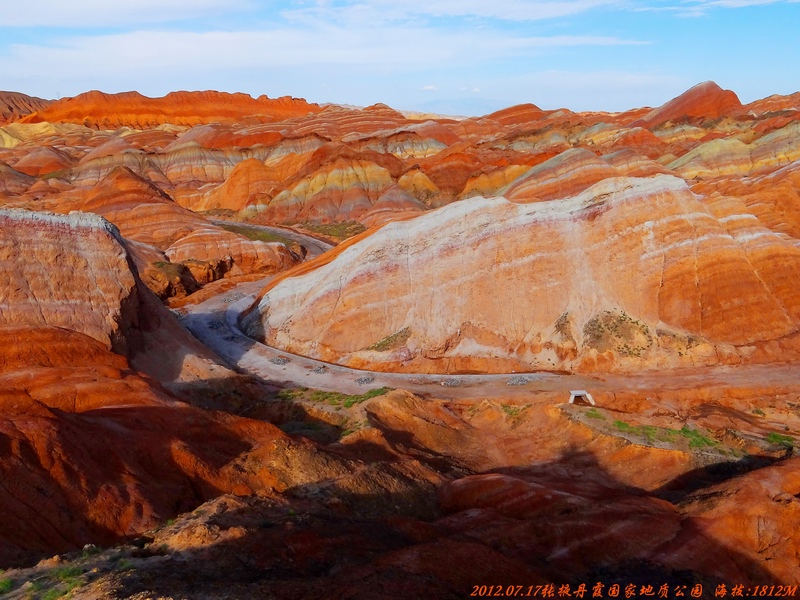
[314, 246]
[215, 323]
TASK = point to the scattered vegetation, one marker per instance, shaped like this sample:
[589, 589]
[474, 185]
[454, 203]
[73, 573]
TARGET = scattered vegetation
[59, 582]
[618, 332]
[6, 585]
[219, 212]
[355, 426]
[54, 174]
[511, 410]
[758, 411]
[338, 231]
[67, 573]
[171, 270]
[696, 439]
[52, 594]
[563, 327]
[393, 341]
[681, 344]
[258, 235]
[335, 399]
[90, 550]
[779, 439]
[593, 413]
[652, 434]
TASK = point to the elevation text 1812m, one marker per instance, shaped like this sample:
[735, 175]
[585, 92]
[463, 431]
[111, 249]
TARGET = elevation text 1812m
[600, 590]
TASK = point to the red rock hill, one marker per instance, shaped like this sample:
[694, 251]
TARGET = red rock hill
[131, 109]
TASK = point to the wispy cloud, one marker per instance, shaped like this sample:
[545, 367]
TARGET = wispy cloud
[141, 51]
[701, 8]
[115, 13]
[383, 11]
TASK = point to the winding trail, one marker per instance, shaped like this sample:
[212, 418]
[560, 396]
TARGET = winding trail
[215, 322]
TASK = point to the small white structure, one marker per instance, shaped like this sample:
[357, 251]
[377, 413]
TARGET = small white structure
[581, 397]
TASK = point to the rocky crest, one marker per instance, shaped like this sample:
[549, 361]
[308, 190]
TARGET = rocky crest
[131, 109]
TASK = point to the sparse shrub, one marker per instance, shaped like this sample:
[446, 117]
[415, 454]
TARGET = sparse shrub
[6, 585]
[593, 413]
[649, 432]
[339, 231]
[696, 439]
[53, 594]
[779, 439]
[652, 433]
[758, 411]
[258, 235]
[287, 395]
[618, 332]
[393, 341]
[67, 573]
[623, 426]
[123, 564]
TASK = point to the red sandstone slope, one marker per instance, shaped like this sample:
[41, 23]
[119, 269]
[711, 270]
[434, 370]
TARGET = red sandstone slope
[94, 451]
[706, 100]
[435, 162]
[630, 273]
[131, 109]
[164, 233]
[14, 106]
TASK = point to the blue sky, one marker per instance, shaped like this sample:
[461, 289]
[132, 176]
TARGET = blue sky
[451, 56]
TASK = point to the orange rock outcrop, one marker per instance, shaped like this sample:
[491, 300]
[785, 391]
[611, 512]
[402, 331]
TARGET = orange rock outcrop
[14, 106]
[131, 109]
[706, 100]
[602, 279]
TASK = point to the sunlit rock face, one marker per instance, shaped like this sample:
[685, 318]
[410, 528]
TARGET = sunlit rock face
[131, 109]
[50, 261]
[286, 161]
[690, 214]
[166, 238]
[705, 100]
[14, 105]
[631, 272]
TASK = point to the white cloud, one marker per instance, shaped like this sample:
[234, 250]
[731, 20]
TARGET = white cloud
[701, 8]
[429, 88]
[375, 11]
[147, 51]
[111, 13]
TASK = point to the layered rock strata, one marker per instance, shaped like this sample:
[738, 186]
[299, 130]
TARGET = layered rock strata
[631, 272]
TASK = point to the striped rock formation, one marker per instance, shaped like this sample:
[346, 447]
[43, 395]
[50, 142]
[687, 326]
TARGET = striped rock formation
[131, 109]
[705, 100]
[167, 238]
[51, 262]
[631, 273]
[14, 106]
